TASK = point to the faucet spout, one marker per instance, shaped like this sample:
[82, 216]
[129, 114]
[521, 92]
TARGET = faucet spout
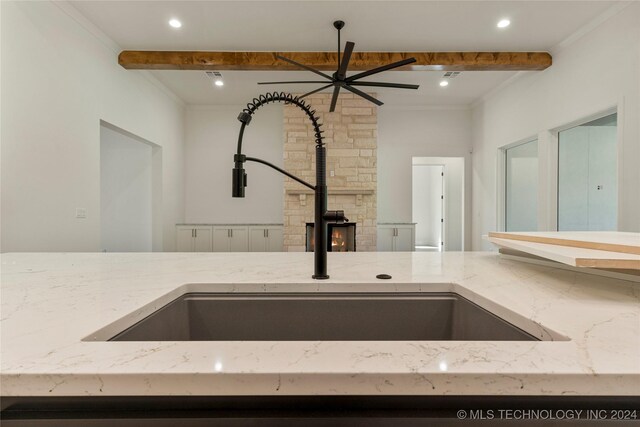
[322, 216]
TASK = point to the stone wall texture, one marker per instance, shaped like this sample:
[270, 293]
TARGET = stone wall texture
[351, 134]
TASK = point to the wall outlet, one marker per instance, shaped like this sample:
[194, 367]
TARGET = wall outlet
[81, 213]
[332, 173]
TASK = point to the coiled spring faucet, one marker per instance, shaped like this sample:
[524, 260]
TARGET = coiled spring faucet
[322, 216]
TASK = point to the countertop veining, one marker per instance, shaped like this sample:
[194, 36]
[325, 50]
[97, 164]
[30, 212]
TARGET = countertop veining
[51, 302]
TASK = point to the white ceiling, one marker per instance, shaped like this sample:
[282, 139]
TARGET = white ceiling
[307, 26]
[195, 87]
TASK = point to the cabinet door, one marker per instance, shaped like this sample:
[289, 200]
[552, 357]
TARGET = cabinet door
[202, 240]
[275, 239]
[184, 239]
[221, 239]
[257, 240]
[404, 239]
[385, 238]
[239, 241]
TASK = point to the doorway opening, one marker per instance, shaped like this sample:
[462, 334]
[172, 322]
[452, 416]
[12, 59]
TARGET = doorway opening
[130, 192]
[521, 186]
[588, 176]
[428, 207]
[438, 203]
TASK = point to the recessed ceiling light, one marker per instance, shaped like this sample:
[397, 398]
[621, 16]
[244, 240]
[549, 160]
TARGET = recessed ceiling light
[175, 23]
[219, 83]
[444, 83]
[504, 23]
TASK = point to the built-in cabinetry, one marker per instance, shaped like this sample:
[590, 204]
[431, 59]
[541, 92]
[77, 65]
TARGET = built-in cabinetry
[194, 238]
[229, 238]
[265, 239]
[398, 237]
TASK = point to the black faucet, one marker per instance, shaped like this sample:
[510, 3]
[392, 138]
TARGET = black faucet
[322, 215]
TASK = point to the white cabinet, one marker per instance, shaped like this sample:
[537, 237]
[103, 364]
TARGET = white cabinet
[193, 238]
[396, 237]
[265, 238]
[386, 236]
[405, 239]
[230, 238]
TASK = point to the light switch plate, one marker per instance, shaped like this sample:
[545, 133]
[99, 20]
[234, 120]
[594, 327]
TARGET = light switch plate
[81, 213]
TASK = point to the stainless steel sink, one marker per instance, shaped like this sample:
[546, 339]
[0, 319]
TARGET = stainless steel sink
[322, 317]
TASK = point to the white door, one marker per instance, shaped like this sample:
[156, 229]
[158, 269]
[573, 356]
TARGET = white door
[573, 173]
[603, 188]
[587, 176]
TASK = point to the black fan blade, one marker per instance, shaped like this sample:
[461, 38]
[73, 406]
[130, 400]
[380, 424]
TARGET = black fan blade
[381, 69]
[290, 82]
[381, 84]
[348, 49]
[303, 66]
[317, 90]
[362, 94]
[334, 99]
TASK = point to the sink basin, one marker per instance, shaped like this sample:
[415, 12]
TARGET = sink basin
[322, 317]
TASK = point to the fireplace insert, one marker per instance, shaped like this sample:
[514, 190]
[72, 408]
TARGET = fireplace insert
[341, 237]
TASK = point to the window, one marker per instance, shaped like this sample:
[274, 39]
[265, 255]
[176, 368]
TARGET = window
[587, 176]
[521, 187]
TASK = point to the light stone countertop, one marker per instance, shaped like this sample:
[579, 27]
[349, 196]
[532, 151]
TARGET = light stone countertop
[51, 302]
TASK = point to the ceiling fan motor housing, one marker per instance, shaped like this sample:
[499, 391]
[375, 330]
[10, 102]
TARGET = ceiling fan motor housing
[339, 79]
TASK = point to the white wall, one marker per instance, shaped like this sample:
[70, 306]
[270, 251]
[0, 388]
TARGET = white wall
[211, 137]
[60, 77]
[427, 132]
[211, 142]
[596, 72]
[427, 189]
[126, 193]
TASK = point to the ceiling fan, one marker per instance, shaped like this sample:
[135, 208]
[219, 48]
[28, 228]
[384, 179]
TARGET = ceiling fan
[340, 80]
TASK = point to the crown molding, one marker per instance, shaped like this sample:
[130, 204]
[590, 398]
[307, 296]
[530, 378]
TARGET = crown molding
[570, 40]
[111, 45]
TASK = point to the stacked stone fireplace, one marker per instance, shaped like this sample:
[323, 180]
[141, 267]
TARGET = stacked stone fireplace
[351, 138]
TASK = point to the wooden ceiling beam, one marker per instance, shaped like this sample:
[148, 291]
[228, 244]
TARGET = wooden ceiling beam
[327, 61]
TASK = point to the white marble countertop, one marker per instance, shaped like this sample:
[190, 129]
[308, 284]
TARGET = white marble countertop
[51, 302]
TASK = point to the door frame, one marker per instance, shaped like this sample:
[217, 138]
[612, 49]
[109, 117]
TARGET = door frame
[554, 152]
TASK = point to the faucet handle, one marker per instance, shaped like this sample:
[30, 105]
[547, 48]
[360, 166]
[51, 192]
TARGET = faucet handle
[336, 217]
